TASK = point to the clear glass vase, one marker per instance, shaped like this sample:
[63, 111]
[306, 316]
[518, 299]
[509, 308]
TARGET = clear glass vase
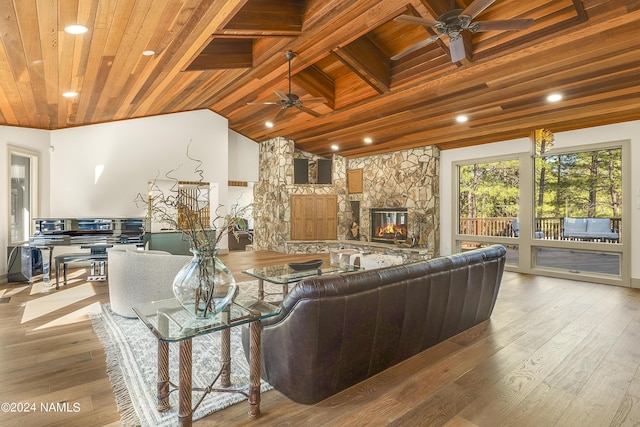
[204, 286]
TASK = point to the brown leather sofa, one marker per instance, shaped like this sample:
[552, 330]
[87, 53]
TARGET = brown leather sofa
[337, 330]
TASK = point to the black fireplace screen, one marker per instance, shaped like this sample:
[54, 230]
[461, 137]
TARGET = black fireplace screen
[389, 225]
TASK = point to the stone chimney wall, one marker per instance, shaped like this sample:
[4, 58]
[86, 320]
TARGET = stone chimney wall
[407, 178]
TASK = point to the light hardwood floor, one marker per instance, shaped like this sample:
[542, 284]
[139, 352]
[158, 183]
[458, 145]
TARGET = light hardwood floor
[555, 352]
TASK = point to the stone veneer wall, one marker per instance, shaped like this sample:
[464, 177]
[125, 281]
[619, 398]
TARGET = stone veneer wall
[276, 166]
[272, 193]
[407, 178]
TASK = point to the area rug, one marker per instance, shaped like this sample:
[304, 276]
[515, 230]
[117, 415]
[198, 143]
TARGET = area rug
[131, 351]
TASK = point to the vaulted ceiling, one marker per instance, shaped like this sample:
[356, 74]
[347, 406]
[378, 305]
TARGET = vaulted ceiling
[351, 69]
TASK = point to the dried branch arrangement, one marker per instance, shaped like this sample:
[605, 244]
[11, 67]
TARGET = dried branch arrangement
[185, 206]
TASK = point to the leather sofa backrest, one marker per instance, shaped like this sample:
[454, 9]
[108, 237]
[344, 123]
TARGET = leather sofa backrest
[337, 330]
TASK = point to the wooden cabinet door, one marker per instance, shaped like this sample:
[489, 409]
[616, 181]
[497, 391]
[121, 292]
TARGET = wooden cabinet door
[354, 181]
[314, 217]
[329, 221]
[301, 218]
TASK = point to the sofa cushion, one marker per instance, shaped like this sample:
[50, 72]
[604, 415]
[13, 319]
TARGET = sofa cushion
[575, 226]
[600, 228]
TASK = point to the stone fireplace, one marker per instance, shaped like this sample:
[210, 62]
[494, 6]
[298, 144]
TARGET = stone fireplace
[389, 225]
[405, 182]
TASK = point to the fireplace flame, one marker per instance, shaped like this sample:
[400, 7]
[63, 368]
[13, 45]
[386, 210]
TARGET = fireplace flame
[391, 229]
[389, 224]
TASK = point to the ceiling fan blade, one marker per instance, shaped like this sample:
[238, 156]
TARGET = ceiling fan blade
[506, 25]
[414, 47]
[457, 49]
[308, 111]
[476, 8]
[280, 113]
[283, 96]
[416, 20]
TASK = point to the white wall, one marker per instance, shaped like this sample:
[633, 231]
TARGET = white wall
[27, 139]
[129, 153]
[244, 156]
[618, 132]
[244, 165]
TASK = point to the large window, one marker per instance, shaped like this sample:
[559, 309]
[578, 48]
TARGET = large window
[23, 178]
[488, 204]
[578, 201]
[488, 197]
[559, 212]
[573, 189]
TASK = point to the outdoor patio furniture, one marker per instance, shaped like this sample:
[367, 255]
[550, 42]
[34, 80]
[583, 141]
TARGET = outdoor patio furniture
[589, 229]
[516, 230]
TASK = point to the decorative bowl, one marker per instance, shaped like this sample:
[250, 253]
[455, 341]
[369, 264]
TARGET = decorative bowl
[306, 265]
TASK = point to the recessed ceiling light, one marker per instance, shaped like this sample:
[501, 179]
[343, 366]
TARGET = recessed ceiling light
[462, 118]
[70, 94]
[76, 29]
[368, 140]
[149, 52]
[334, 147]
[268, 124]
[554, 97]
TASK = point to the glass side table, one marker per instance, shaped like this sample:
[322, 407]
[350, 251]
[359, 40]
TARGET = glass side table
[285, 275]
[170, 322]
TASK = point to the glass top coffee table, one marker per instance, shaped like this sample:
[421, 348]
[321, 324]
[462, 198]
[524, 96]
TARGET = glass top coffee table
[285, 275]
[170, 322]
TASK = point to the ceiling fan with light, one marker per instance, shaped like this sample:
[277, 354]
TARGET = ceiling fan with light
[289, 99]
[454, 22]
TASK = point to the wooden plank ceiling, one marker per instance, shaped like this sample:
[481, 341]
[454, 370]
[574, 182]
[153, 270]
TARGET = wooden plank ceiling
[223, 54]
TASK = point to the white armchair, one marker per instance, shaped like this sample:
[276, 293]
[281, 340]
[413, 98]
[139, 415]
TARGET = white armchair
[137, 277]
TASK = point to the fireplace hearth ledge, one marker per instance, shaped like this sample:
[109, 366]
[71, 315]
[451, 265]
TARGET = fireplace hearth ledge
[324, 246]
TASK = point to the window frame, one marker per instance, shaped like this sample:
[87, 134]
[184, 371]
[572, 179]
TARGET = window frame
[623, 248]
[34, 190]
[526, 242]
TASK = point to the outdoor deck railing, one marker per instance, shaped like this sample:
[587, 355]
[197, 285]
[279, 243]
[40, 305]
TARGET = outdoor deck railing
[551, 228]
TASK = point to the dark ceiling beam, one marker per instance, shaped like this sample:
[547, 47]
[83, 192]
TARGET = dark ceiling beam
[437, 7]
[257, 33]
[220, 54]
[317, 83]
[233, 45]
[365, 59]
[493, 73]
[266, 16]
[582, 14]
[359, 17]
[197, 24]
